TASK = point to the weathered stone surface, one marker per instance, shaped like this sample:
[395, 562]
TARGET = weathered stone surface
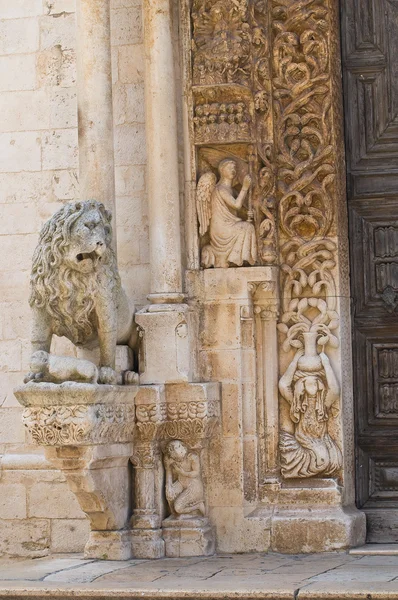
[109, 545]
[69, 535]
[12, 501]
[228, 93]
[191, 537]
[26, 537]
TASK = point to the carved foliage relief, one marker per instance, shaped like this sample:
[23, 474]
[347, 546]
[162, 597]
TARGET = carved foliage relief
[232, 119]
[264, 97]
[305, 155]
[302, 104]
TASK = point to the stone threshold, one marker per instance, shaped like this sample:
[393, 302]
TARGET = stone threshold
[375, 550]
[329, 576]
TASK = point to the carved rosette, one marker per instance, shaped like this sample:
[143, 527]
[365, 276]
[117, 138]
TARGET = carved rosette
[79, 425]
[306, 155]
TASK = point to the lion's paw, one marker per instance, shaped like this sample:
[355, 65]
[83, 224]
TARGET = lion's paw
[107, 376]
[33, 377]
[131, 378]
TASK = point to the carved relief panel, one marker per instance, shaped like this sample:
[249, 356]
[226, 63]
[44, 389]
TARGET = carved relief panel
[267, 167]
[231, 120]
[307, 154]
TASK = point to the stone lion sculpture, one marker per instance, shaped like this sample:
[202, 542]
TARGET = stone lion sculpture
[75, 287]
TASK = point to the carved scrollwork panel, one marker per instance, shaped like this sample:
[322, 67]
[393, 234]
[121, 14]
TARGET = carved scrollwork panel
[79, 424]
[306, 157]
[302, 92]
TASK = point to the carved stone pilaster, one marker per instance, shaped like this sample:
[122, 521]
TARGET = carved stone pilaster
[265, 311]
[192, 416]
[87, 432]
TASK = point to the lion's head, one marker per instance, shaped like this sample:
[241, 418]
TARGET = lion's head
[73, 245]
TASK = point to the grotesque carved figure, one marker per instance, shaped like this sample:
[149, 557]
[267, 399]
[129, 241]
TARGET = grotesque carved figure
[75, 286]
[184, 487]
[310, 386]
[232, 240]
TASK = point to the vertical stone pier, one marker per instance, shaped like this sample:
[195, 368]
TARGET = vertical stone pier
[94, 97]
[161, 132]
[168, 324]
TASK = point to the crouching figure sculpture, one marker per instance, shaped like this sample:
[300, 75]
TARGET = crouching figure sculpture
[76, 290]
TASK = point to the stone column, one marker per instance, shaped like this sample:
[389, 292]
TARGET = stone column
[265, 308]
[169, 338]
[94, 96]
[163, 184]
[146, 532]
[148, 503]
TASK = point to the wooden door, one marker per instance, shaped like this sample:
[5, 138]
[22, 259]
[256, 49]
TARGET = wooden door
[370, 66]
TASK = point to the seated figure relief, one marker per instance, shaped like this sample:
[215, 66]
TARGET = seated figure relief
[76, 293]
[184, 487]
[232, 240]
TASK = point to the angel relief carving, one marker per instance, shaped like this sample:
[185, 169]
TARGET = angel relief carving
[232, 240]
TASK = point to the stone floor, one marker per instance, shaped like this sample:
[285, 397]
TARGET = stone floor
[249, 576]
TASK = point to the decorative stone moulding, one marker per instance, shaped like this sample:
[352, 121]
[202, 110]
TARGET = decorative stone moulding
[77, 414]
[87, 432]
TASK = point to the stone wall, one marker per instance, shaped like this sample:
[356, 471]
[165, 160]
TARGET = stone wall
[39, 172]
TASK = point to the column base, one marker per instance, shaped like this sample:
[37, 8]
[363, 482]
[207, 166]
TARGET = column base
[147, 543]
[190, 537]
[166, 298]
[167, 352]
[109, 545]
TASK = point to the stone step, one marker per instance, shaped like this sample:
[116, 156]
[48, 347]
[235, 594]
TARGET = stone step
[329, 576]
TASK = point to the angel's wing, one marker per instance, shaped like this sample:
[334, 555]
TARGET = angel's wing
[203, 200]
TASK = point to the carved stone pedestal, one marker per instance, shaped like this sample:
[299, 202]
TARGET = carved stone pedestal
[167, 350]
[191, 537]
[147, 543]
[323, 530]
[306, 519]
[87, 431]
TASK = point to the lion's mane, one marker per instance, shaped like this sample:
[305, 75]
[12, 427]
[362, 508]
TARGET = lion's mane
[67, 295]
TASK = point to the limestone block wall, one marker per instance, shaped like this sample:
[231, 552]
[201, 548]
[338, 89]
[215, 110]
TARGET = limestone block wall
[39, 172]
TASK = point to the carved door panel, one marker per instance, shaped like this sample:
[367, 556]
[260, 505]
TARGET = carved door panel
[370, 51]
